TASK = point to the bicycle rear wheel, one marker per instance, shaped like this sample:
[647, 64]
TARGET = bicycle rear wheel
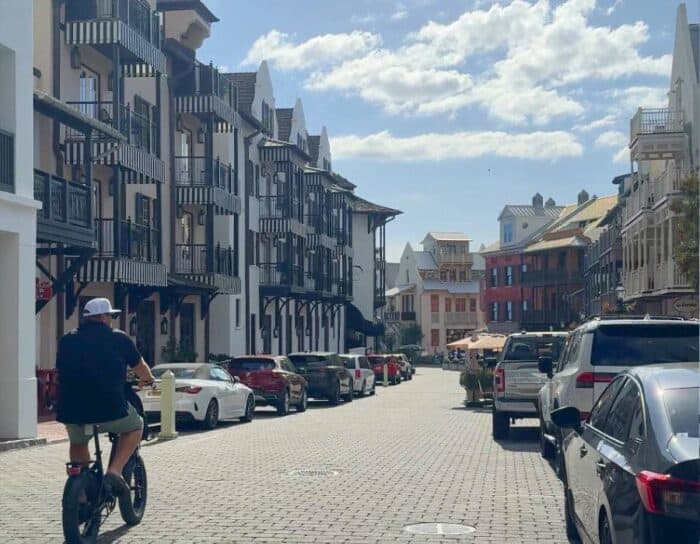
[81, 521]
[133, 506]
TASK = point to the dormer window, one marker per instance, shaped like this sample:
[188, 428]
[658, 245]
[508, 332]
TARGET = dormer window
[508, 233]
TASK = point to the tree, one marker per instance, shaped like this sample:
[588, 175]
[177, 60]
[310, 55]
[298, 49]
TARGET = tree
[411, 335]
[685, 250]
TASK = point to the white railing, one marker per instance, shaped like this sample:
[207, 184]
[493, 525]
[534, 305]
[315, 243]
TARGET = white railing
[655, 121]
[460, 318]
[435, 317]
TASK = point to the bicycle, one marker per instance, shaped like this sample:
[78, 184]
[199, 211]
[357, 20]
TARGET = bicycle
[87, 503]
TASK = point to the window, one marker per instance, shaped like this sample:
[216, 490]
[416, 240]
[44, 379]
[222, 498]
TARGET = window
[364, 362]
[562, 260]
[435, 337]
[434, 303]
[461, 304]
[494, 311]
[462, 275]
[494, 277]
[617, 425]
[509, 275]
[509, 311]
[602, 407]
[143, 210]
[443, 275]
[453, 275]
[472, 305]
[508, 233]
[682, 408]
[238, 313]
[448, 305]
[526, 305]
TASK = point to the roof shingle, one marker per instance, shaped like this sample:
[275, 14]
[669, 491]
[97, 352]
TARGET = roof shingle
[284, 123]
[245, 84]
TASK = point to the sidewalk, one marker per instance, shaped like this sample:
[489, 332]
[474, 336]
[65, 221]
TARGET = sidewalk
[48, 432]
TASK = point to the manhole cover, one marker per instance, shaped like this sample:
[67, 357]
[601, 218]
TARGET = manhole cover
[313, 472]
[435, 528]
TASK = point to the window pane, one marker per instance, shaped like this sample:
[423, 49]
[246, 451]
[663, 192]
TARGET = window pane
[622, 411]
[683, 407]
[602, 407]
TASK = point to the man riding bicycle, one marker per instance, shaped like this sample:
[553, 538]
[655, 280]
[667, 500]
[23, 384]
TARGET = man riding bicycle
[92, 363]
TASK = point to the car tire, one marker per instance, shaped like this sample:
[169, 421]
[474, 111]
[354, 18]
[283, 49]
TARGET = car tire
[559, 461]
[283, 403]
[211, 418]
[249, 410]
[335, 397]
[363, 391]
[373, 390]
[571, 530]
[351, 392]
[547, 449]
[303, 402]
[500, 425]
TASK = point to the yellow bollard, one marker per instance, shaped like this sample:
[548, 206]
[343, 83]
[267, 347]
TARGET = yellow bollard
[167, 406]
[386, 375]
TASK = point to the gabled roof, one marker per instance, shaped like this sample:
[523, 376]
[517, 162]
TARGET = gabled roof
[517, 210]
[447, 237]
[245, 83]
[425, 260]
[360, 205]
[284, 123]
[314, 142]
[344, 183]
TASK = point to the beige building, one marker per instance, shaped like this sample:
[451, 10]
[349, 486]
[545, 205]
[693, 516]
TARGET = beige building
[438, 289]
[665, 148]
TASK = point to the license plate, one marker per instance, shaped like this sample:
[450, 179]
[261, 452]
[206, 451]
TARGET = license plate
[154, 393]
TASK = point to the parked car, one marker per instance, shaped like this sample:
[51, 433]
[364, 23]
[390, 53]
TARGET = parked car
[325, 375]
[363, 375]
[406, 368]
[596, 352]
[517, 380]
[393, 368]
[273, 379]
[633, 466]
[205, 393]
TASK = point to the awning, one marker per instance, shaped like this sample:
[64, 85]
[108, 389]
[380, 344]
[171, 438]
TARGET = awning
[399, 289]
[482, 341]
[357, 322]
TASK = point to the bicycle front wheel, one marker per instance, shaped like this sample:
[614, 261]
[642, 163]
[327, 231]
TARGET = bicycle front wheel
[81, 517]
[133, 506]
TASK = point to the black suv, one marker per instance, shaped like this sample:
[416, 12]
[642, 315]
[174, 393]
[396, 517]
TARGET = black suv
[325, 375]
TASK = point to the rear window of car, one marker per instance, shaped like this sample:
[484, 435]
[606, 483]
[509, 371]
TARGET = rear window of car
[633, 345]
[683, 407]
[531, 348]
[182, 373]
[378, 359]
[349, 362]
[309, 361]
[251, 364]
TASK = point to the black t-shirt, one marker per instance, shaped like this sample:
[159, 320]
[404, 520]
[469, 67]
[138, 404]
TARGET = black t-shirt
[92, 362]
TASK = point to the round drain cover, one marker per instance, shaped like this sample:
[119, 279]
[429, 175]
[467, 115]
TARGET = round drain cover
[313, 472]
[436, 528]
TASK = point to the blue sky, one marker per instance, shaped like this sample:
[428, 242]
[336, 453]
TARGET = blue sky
[448, 110]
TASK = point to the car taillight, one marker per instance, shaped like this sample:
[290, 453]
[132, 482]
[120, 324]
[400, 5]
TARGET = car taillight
[499, 380]
[664, 494]
[358, 373]
[585, 380]
[190, 389]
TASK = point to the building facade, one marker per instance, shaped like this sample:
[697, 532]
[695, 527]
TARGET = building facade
[664, 150]
[437, 290]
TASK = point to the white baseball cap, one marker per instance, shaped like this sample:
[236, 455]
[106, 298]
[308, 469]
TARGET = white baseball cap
[99, 306]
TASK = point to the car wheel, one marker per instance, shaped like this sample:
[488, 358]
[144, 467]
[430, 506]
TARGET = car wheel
[500, 425]
[559, 461]
[283, 403]
[249, 409]
[547, 449]
[373, 390]
[211, 418]
[303, 402]
[351, 392]
[571, 531]
[604, 532]
[363, 391]
[334, 397]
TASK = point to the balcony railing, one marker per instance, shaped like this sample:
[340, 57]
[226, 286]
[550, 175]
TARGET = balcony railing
[281, 275]
[63, 202]
[136, 14]
[205, 79]
[460, 318]
[140, 130]
[7, 161]
[656, 121]
[278, 207]
[137, 242]
[551, 276]
[203, 171]
[203, 259]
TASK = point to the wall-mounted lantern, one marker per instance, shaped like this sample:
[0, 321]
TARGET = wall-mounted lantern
[164, 326]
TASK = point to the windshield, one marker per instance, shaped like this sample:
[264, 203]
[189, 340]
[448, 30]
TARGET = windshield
[531, 348]
[683, 407]
[251, 365]
[626, 345]
[179, 372]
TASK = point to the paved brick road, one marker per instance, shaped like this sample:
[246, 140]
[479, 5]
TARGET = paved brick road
[409, 454]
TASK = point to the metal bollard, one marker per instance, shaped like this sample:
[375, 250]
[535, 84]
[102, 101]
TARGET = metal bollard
[386, 375]
[167, 406]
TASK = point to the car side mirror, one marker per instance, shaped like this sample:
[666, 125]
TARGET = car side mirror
[544, 365]
[568, 417]
[236, 379]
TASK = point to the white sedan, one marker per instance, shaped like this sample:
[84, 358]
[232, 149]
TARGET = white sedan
[204, 392]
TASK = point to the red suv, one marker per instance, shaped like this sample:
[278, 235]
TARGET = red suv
[273, 379]
[393, 368]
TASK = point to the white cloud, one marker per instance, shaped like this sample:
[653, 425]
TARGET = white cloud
[622, 156]
[611, 138]
[400, 13]
[363, 19]
[459, 145]
[631, 98]
[598, 123]
[616, 4]
[315, 52]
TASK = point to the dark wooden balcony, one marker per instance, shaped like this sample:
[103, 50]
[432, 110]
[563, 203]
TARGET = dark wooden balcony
[554, 276]
[206, 92]
[216, 266]
[280, 214]
[65, 214]
[281, 278]
[204, 181]
[131, 24]
[7, 161]
[137, 242]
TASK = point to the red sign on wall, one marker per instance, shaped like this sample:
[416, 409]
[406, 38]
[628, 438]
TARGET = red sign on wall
[43, 289]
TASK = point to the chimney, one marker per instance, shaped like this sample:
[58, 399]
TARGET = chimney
[550, 203]
[537, 200]
[582, 197]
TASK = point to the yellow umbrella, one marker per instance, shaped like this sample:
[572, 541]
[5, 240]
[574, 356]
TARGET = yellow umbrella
[489, 341]
[464, 343]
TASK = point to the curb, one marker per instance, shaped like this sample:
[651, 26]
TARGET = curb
[22, 444]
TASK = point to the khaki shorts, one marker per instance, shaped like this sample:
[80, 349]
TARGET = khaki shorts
[81, 434]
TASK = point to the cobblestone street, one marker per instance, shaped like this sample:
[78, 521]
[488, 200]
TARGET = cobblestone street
[410, 454]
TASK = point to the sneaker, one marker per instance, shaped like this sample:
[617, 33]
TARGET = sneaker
[117, 484]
